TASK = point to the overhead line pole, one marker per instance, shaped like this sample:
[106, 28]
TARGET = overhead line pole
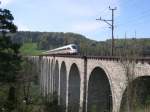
[112, 28]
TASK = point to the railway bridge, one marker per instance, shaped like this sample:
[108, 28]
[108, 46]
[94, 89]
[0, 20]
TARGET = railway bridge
[85, 83]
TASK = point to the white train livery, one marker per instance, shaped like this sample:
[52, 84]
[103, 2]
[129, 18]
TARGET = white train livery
[68, 49]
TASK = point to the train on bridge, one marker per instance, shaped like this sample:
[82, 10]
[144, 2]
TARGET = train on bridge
[68, 49]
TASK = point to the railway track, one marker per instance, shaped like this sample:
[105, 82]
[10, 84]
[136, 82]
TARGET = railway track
[111, 58]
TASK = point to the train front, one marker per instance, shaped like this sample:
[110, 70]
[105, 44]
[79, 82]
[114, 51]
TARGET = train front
[74, 49]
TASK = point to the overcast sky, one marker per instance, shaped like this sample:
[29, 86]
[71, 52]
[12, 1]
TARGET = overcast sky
[79, 16]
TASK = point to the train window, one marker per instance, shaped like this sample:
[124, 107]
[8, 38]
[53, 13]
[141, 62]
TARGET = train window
[68, 48]
[74, 47]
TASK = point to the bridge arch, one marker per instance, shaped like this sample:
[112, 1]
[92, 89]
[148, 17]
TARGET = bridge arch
[63, 84]
[99, 98]
[56, 77]
[74, 89]
[136, 96]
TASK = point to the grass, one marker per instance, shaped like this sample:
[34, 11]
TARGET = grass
[30, 49]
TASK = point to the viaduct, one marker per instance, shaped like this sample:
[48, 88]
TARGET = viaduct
[85, 83]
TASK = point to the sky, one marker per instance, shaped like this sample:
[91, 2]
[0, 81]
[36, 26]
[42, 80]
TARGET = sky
[79, 16]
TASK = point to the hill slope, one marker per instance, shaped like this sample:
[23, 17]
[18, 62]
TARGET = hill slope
[49, 40]
[36, 42]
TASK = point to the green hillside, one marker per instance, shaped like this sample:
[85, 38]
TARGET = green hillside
[30, 49]
[36, 42]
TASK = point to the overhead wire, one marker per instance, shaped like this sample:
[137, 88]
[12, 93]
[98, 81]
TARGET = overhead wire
[128, 3]
[136, 20]
[141, 16]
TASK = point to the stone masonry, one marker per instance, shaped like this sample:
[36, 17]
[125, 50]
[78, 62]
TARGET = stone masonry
[113, 71]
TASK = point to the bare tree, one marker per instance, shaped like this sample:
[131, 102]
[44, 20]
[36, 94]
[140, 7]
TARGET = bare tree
[128, 59]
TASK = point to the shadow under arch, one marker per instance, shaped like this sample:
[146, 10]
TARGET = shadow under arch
[136, 97]
[56, 78]
[99, 92]
[63, 84]
[74, 89]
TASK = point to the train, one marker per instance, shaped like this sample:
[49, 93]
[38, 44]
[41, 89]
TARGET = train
[67, 49]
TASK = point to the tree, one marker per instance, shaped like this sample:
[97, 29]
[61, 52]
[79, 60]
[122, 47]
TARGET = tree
[10, 60]
[9, 52]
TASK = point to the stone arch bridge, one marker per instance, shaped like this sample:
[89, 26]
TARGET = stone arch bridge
[84, 83]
